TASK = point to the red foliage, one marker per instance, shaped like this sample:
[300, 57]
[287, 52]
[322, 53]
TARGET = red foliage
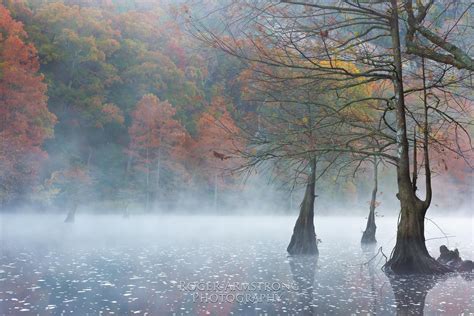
[156, 134]
[25, 119]
[214, 150]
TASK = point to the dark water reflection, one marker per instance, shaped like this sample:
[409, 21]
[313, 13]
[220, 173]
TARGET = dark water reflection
[303, 270]
[145, 266]
[410, 292]
[370, 257]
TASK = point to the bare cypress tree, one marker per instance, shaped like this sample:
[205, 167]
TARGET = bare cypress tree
[319, 40]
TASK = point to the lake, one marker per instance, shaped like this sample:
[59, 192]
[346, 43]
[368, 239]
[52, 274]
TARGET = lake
[217, 265]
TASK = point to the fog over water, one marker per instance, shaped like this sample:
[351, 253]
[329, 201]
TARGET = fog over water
[169, 265]
[157, 157]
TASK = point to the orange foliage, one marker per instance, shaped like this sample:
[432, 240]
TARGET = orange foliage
[156, 134]
[25, 119]
[214, 150]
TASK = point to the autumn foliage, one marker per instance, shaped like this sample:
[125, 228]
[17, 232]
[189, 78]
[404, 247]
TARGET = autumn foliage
[216, 145]
[157, 138]
[25, 119]
[131, 97]
[155, 133]
[144, 109]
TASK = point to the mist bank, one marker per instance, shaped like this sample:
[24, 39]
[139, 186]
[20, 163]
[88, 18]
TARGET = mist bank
[273, 208]
[95, 231]
[259, 194]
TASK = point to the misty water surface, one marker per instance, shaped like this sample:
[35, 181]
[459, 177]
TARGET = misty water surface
[144, 265]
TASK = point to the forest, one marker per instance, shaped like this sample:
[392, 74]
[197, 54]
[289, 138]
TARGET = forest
[299, 109]
[118, 106]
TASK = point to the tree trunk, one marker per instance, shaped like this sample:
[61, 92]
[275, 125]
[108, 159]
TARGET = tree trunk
[126, 213]
[368, 237]
[71, 215]
[410, 254]
[89, 158]
[147, 197]
[215, 192]
[303, 241]
[157, 199]
[291, 200]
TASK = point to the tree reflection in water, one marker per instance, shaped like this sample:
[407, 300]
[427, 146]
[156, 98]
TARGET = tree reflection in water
[410, 292]
[303, 270]
[370, 261]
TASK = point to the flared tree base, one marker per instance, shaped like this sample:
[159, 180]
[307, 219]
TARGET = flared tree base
[303, 241]
[368, 237]
[413, 258]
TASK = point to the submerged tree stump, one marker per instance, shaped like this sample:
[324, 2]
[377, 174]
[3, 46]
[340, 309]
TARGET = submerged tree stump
[453, 260]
